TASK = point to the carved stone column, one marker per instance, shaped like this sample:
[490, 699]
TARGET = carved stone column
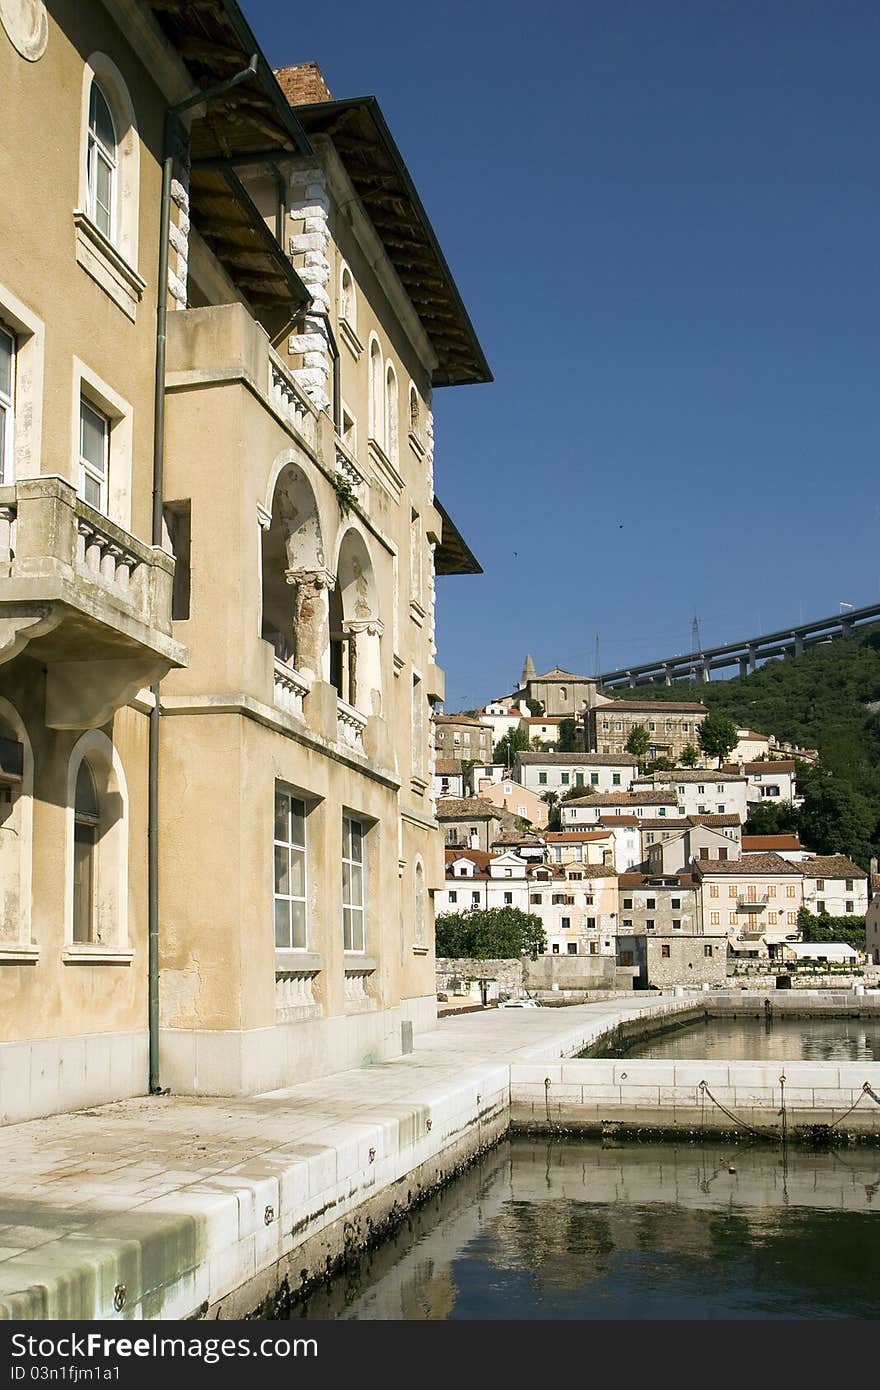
[364, 664]
[311, 620]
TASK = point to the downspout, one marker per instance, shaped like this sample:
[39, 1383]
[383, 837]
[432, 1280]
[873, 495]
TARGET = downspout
[172, 125]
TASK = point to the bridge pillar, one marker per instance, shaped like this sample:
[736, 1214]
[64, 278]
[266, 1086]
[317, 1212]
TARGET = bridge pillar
[667, 675]
[704, 671]
[631, 681]
[744, 665]
[846, 627]
[751, 658]
[798, 643]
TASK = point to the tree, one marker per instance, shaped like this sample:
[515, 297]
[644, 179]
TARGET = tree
[552, 800]
[569, 741]
[536, 709]
[661, 765]
[495, 933]
[834, 817]
[638, 742]
[772, 818]
[514, 741]
[689, 756]
[717, 736]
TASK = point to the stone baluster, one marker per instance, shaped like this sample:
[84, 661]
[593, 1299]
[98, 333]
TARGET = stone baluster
[365, 667]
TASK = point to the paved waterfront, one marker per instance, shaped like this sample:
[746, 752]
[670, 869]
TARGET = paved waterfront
[80, 1190]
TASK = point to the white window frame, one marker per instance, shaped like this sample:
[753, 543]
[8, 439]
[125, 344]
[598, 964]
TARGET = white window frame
[29, 333]
[103, 399]
[7, 404]
[87, 469]
[290, 845]
[97, 150]
[350, 946]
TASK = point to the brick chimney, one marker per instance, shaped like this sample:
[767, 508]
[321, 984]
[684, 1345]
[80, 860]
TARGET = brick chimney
[303, 84]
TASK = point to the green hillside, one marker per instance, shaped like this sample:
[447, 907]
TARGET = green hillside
[818, 700]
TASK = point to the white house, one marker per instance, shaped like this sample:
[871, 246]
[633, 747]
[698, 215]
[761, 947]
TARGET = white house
[559, 772]
[448, 779]
[628, 852]
[702, 791]
[502, 716]
[770, 781]
[588, 811]
[833, 884]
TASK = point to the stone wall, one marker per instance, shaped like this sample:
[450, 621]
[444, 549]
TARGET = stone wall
[570, 972]
[455, 976]
[687, 962]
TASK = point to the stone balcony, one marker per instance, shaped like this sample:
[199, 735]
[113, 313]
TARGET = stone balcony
[87, 600]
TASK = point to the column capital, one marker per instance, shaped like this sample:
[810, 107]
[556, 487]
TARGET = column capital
[314, 579]
[374, 626]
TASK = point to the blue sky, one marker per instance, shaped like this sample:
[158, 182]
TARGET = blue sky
[664, 218]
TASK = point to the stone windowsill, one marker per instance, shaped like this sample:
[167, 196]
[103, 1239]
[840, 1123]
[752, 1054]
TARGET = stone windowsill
[358, 964]
[350, 338]
[421, 950]
[18, 954]
[292, 962]
[398, 663]
[416, 445]
[418, 784]
[101, 260]
[417, 612]
[97, 953]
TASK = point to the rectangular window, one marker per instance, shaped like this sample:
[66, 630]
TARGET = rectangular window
[566, 923]
[722, 854]
[615, 779]
[715, 919]
[178, 519]
[713, 890]
[627, 921]
[707, 950]
[475, 899]
[676, 924]
[849, 885]
[536, 899]
[591, 924]
[661, 810]
[554, 949]
[7, 403]
[771, 919]
[572, 948]
[721, 808]
[594, 779]
[353, 915]
[628, 902]
[651, 902]
[676, 902]
[732, 890]
[290, 872]
[453, 896]
[664, 952]
[94, 455]
[790, 890]
[508, 899]
[649, 924]
[792, 919]
[415, 558]
[820, 885]
[731, 917]
[848, 907]
[565, 779]
[542, 779]
[418, 728]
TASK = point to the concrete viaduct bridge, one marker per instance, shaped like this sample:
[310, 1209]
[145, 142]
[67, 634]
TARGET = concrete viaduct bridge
[787, 642]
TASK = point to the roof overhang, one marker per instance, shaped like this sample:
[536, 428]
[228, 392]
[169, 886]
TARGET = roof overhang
[375, 166]
[453, 555]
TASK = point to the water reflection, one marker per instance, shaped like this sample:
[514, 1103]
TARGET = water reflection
[754, 1040]
[584, 1230]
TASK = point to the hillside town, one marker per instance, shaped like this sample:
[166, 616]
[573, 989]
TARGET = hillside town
[631, 843]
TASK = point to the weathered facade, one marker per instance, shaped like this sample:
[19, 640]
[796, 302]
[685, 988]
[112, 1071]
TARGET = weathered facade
[671, 726]
[282, 773]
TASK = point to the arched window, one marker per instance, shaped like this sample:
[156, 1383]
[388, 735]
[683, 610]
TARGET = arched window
[86, 820]
[347, 301]
[96, 894]
[391, 415]
[376, 403]
[414, 420]
[102, 162]
[421, 905]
